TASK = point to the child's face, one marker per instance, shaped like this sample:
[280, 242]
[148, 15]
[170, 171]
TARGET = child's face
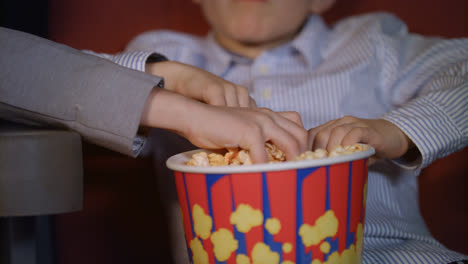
[257, 22]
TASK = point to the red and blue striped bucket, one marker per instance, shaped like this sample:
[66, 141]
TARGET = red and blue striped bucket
[294, 212]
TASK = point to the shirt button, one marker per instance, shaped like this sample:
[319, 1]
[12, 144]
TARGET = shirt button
[267, 94]
[263, 69]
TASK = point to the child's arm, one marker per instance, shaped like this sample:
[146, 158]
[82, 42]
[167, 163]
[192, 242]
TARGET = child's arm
[196, 83]
[215, 127]
[200, 85]
[423, 82]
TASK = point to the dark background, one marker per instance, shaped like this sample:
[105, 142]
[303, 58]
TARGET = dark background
[121, 221]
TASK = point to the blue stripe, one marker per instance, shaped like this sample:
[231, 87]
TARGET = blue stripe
[210, 180]
[267, 237]
[239, 236]
[350, 237]
[301, 257]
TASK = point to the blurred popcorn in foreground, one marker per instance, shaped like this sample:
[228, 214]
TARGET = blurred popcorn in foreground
[236, 156]
[199, 159]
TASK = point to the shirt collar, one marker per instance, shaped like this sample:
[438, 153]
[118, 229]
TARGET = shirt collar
[309, 43]
[311, 40]
[219, 58]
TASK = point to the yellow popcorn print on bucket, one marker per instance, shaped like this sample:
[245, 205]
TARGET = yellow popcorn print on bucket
[287, 247]
[199, 254]
[223, 244]
[325, 226]
[359, 242]
[202, 223]
[325, 247]
[261, 254]
[273, 225]
[351, 255]
[245, 217]
[242, 259]
[334, 258]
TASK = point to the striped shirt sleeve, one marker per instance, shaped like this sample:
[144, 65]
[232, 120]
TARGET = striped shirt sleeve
[134, 60]
[431, 94]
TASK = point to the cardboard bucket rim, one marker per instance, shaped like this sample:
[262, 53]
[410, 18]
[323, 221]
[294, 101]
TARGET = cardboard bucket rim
[178, 163]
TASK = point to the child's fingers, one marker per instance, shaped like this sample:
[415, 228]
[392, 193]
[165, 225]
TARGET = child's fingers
[356, 135]
[292, 125]
[335, 137]
[230, 95]
[293, 116]
[312, 141]
[243, 97]
[319, 136]
[252, 103]
[214, 95]
[256, 146]
[285, 141]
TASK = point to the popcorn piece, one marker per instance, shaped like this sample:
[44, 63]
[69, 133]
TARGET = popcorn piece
[199, 159]
[245, 217]
[261, 254]
[231, 154]
[202, 223]
[199, 254]
[216, 159]
[242, 158]
[311, 155]
[357, 147]
[287, 247]
[274, 153]
[320, 153]
[242, 259]
[338, 151]
[273, 225]
[223, 244]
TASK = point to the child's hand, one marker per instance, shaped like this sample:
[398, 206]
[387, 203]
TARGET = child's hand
[387, 139]
[200, 85]
[216, 127]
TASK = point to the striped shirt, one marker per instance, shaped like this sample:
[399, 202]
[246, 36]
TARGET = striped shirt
[367, 66]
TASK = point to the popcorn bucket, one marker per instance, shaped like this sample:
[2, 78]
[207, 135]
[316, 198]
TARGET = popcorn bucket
[292, 212]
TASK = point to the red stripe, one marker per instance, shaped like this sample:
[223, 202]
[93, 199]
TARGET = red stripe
[282, 196]
[183, 206]
[197, 193]
[339, 178]
[221, 203]
[246, 188]
[314, 194]
[356, 195]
